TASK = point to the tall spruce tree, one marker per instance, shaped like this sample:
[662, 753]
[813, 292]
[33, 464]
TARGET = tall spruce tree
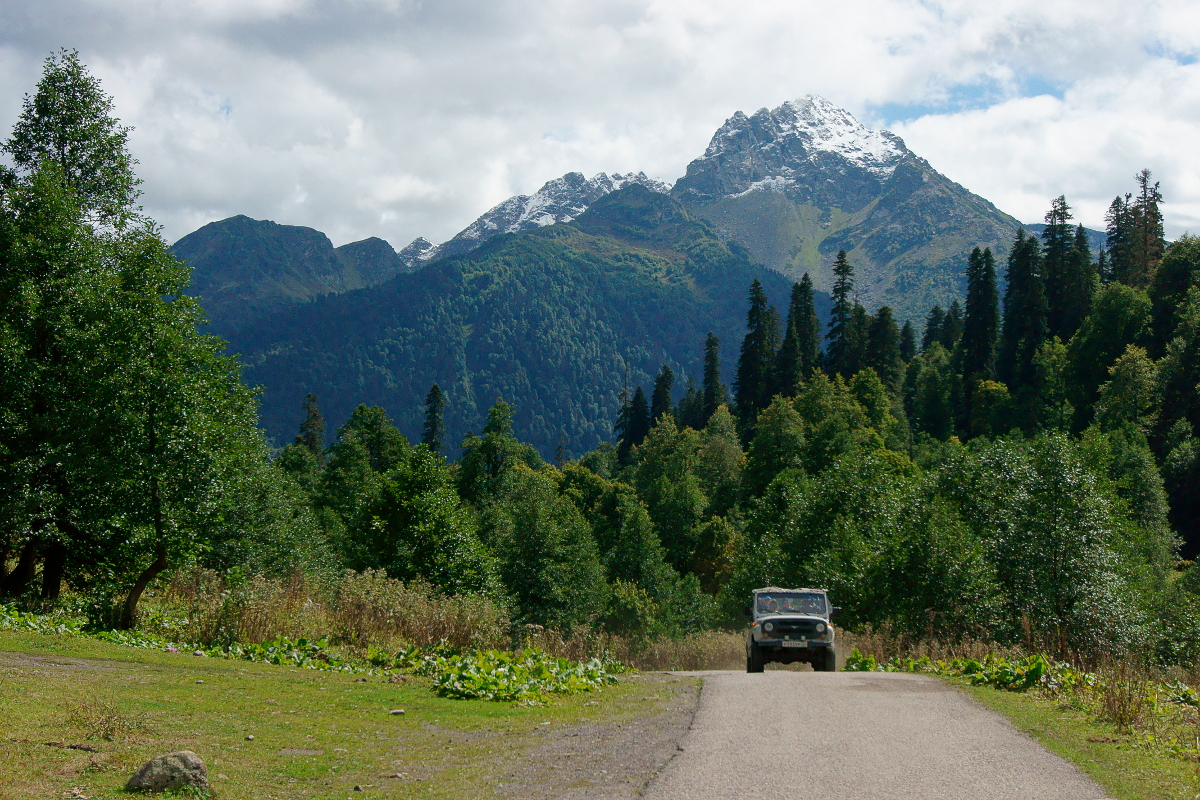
[714, 391]
[434, 432]
[935, 321]
[908, 341]
[633, 425]
[1148, 240]
[952, 326]
[883, 349]
[838, 353]
[1058, 245]
[981, 323]
[312, 429]
[690, 411]
[800, 352]
[661, 402]
[755, 380]
[1025, 313]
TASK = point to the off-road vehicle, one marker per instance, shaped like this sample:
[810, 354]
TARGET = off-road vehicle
[790, 625]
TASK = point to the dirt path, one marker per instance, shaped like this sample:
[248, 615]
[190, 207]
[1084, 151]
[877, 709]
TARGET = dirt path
[856, 735]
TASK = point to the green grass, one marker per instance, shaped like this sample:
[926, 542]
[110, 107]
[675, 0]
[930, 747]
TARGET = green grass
[1096, 748]
[76, 690]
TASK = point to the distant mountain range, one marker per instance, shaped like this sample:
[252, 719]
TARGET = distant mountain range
[782, 189]
[555, 321]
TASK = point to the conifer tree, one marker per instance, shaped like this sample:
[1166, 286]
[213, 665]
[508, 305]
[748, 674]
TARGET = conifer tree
[981, 323]
[690, 411]
[1025, 312]
[434, 431]
[952, 326]
[841, 317]
[883, 349]
[800, 352]
[935, 321]
[714, 391]
[633, 425]
[755, 372]
[1057, 250]
[1148, 240]
[660, 399]
[1119, 239]
[312, 429]
[908, 341]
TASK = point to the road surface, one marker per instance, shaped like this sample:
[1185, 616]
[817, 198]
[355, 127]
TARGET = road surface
[858, 736]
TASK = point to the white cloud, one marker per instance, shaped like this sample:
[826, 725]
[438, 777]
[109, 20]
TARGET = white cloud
[401, 118]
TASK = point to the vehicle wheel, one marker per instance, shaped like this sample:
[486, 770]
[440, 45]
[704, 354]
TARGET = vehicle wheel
[754, 658]
[828, 661]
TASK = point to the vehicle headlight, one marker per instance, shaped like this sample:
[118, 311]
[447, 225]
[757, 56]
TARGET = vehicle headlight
[770, 626]
[820, 627]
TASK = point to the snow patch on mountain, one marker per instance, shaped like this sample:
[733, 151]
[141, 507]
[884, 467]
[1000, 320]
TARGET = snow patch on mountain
[789, 141]
[559, 200]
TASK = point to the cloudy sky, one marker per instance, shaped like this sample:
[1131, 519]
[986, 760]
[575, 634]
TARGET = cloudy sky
[406, 118]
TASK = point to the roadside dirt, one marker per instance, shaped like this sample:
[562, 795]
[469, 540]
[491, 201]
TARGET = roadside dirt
[604, 762]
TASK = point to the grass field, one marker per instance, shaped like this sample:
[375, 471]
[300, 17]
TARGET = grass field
[276, 732]
[1105, 755]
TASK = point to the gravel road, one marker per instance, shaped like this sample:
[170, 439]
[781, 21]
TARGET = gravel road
[856, 735]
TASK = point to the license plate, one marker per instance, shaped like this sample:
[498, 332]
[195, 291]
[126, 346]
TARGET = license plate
[788, 643]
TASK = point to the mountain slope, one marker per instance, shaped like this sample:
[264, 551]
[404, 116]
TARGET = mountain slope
[550, 320]
[559, 200]
[245, 269]
[798, 183]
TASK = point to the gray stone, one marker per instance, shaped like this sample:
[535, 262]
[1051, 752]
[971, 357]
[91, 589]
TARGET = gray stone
[179, 770]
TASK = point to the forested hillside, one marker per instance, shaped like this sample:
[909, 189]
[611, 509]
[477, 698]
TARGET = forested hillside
[245, 269]
[551, 319]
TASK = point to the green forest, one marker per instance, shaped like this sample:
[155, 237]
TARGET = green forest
[1022, 468]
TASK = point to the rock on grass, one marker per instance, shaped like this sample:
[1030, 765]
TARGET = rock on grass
[179, 770]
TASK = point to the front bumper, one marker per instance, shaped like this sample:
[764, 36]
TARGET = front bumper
[810, 644]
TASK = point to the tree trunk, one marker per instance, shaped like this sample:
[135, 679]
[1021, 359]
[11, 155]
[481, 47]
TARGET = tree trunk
[22, 574]
[53, 569]
[129, 610]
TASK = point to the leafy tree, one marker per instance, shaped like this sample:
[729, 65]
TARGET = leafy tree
[779, 444]
[1120, 317]
[434, 432]
[420, 529]
[720, 462]
[487, 458]
[666, 480]
[69, 121]
[1130, 396]
[1046, 403]
[548, 559]
[1178, 271]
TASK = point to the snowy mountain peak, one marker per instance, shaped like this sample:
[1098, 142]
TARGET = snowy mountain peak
[559, 200]
[825, 127]
[794, 148]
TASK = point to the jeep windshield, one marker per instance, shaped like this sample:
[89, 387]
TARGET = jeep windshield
[791, 603]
